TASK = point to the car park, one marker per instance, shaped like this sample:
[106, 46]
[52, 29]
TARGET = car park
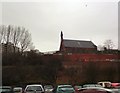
[64, 89]
[34, 88]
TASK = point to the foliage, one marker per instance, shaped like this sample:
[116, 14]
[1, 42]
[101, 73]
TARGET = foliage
[17, 36]
[32, 68]
[109, 44]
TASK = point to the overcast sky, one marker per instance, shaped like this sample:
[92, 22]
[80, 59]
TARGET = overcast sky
[91, 20]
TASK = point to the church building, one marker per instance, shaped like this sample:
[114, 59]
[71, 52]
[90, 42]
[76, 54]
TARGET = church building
[77, 46]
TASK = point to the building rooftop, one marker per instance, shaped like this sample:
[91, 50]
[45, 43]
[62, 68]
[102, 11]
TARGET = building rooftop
[78, 43]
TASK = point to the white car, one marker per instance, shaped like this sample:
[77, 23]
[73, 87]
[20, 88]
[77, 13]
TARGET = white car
[91, 85]
[34, 88]
[106, 84]
[48, 88]
[17, 89]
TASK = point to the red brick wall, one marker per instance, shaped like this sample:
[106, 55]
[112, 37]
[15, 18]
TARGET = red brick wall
[90, 57]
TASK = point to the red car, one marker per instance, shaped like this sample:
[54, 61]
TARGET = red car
[115, 85]
[77, 88]
[95, 90]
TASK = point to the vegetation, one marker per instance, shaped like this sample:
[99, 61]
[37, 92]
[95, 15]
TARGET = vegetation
[18, 36]
[48, 69]
[31, 68]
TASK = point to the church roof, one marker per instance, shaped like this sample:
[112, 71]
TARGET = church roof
[78, 43]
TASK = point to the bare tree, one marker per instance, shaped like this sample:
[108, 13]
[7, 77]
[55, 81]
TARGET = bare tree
[3, 31]
[25, 40]
[109, 44]
[100, 47]
[19, 37]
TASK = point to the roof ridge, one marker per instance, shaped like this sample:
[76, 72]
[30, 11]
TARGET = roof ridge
[77, 40]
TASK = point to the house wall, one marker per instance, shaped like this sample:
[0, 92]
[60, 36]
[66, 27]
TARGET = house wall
[80, 50]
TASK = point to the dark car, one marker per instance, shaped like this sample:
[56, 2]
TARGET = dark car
[64, 89]
[6, 89]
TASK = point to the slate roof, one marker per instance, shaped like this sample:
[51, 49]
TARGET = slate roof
[78, 44]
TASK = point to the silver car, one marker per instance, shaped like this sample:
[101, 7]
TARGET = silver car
[18, 90]
[48, 88]
[34, 88]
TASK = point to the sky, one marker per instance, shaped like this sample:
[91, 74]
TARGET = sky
[93, 20]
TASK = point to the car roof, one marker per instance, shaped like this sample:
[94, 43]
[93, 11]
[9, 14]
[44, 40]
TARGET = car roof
[5, 87]
[48, 86]
[90, 85]
[17, 88]
[104, 82]
[31, 85]
[101, 88]
[63, 85]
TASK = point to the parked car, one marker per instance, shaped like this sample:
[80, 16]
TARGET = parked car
[6, 89]
[95, 90]
[64, 89]
[77, 88]
[48, 88]
[115, 85]
[18, 90]
[34, 88]
[91, 85]
[106, 84]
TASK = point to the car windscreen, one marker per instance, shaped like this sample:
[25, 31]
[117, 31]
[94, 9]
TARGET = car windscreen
[68, 88]
[34, 88]
[48, 87]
